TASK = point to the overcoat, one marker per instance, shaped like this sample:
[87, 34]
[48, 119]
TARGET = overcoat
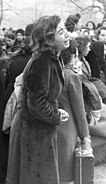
[2, 99]
[17, 64]
[33, 154]
[71, 99]
[96, 59]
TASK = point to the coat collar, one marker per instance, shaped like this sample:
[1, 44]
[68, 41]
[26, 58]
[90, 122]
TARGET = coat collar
[58, 62]
[86, 68]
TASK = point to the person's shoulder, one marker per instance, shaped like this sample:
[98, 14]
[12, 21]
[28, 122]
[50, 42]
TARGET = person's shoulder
[46, 58]
[41, 57]
[70, 75]
[96, 44]
[39, 61]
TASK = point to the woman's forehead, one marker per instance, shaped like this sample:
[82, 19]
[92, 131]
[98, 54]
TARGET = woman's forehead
[60, 25]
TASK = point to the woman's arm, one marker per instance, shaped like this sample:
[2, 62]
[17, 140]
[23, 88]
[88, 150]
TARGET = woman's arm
[77, 104]
[38, 84]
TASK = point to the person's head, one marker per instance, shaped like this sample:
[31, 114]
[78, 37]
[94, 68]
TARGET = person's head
[75, 18]
[49, 33]
[26, 47]
[91, 25]
[104, 22]
[10, 38]
[84, 31]
[101, 34]
[20, 34]
[83, 45]
[69, 55]
[70, 23]
[28, 29]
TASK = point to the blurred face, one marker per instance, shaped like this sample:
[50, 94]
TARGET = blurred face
[1, 35]
[9, 42]
[102, 35]
[104, 24]
[19, 36]
[90, 25]
[84, 32]
[61, 37]
[86, 49]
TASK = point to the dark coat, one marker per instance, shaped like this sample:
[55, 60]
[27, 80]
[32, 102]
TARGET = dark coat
[101, 87]
[33, 140]
[71, 99]
[91, 93]
[96, 59]
[2, 100]
[18, 63]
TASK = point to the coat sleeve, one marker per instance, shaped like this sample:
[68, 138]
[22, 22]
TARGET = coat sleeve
[38, 85]
[77, 104]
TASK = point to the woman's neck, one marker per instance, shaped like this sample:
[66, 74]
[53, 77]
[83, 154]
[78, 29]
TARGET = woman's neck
[79, 57]
[58, 53]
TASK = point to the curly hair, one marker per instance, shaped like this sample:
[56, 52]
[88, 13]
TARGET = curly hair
[93, 24]
[67, 53]
[70, 24]
[82, 41]
[71, 21]
[43, 33]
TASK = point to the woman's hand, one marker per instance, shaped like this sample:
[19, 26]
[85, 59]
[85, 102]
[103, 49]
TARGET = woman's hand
[63, 115]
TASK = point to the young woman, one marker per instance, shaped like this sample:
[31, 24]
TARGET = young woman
[99, 127]
[33, 154]
[71, 99]
[92, 27]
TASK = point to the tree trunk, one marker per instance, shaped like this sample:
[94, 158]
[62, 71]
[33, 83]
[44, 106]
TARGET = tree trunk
[104, 3]
[1, 11]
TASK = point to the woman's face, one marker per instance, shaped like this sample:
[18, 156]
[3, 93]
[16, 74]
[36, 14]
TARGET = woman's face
[90, 25]
[19, 37]
[61, 41]
[10, 42]
[86, 49]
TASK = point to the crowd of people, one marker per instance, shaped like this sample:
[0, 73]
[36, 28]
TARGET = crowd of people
[53, 90]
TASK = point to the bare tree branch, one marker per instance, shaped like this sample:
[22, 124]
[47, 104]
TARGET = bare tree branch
[1, 10]
[72, 1]
[91, 7]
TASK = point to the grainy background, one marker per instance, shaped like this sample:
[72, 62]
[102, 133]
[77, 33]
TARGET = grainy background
[100, 174]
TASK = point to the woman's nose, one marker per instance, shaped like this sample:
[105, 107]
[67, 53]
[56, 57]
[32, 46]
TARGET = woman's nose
[66, 33]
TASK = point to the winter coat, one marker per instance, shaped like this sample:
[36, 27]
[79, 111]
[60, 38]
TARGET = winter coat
[33, 154]
[2, 100]
[18, 63]
[71, 99]
[91, 93]
[96, 59]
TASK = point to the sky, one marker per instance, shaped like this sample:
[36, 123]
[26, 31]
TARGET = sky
[22, 3]
[25, 11]
[12, 18]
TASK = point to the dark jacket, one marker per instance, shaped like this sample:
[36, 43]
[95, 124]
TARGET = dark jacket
[33, 140]
[91, 93]
[16, 67]
[96, 59]
[2, 100]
